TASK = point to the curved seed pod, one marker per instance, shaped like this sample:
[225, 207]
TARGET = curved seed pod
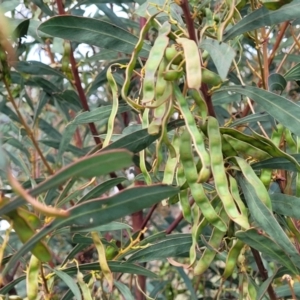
[170, 170]
[211, 78]
[197, 191]
[219, 173]
[131, 65]
[143, 167]
[197, 97]
[227, 149]
[163, 93]
[155, 57]
[171, 163]
[102, 259]
[184, 195]
[232, 258]
[115, 105]
[236, 196]
[196, 135]
[192, 62]
[260, 142]
[210, 253]
[161, 84]
[246, 149]
[32, 282]
[199, 226]
[25, 231]
[290, 141]
[164, 105]
[194, 231]
[33, 220]
[266, 174]
[252, 178]
[173, 75]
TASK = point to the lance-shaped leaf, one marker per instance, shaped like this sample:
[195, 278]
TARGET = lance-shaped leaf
[102, 211]
[264, 17]
[278, 163]
[267, 246]
[221, 54]
[87, 167]
[266, 221]
[171, 246]
[285, 205]
[283, 110]
[93, 32]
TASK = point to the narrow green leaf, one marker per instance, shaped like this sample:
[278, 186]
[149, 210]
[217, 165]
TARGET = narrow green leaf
[110, 14]
[70, 282]
[49, 129]
[6, 6]
[115, 266]
[44, 98]
[36, 68]
[171, 246]
[100, 189]
[264, 286]
[293, 73]
[22, 29]
[140, 139]
[9, 286]
[44, 7]
[277, 163]
[285, 291]
[285, 205]
[267, 222]
[17, 144]
[101, 113]
[86, 167]
[124, 290]
[258, 117]
[107, 227]
[188, 283]
[221, 54]
[88, 213]
[94, 32]
[283, 110]
[267, 246]
[263, 17]
[222, 97]
[114, 207]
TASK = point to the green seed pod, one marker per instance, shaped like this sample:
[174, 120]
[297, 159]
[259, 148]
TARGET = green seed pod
[111, 252]
[210, 77]
[172, 75]
[173, 55]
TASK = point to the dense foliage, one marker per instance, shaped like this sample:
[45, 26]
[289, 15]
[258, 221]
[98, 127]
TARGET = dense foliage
[150, 149]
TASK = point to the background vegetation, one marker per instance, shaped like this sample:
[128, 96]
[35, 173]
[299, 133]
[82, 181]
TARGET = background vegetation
[150, 149]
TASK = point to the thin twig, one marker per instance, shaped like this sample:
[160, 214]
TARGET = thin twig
[192, 34]
[26, 127]
[263, 272]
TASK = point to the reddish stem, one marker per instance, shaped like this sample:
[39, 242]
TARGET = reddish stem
[279, 38]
